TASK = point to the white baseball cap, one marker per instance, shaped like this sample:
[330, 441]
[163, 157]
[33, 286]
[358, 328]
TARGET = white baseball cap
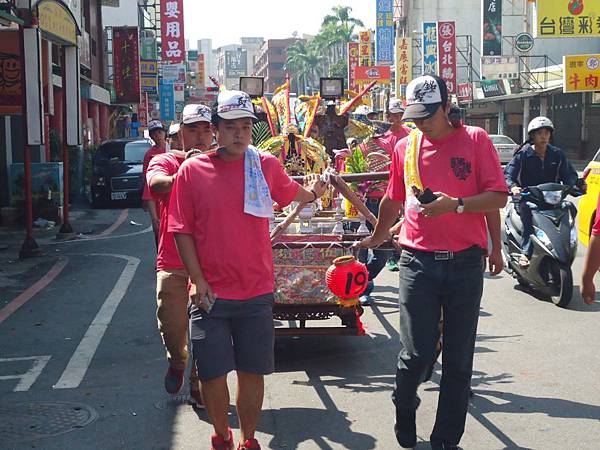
[234, 105]
[155, 125]
[173, 129]
[395, 106]
[363, 110]
[196, 112]
[424, 95]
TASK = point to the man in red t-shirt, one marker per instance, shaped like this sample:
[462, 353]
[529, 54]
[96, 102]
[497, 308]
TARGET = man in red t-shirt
[158, 134]
[171, 277]
[453, 178]
[592, 262]
[227, 253]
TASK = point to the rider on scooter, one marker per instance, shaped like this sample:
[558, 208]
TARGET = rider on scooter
[536, 162]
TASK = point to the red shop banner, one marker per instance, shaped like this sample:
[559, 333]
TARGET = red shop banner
[171, 27]
[447, 54]
[126, 65]
[366, 74]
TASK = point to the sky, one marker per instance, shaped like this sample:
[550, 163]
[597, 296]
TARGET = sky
[225, 21]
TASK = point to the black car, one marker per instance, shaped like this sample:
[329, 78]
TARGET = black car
[117, 171]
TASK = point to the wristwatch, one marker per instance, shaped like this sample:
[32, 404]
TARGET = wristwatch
[461, 206]
[315, 194]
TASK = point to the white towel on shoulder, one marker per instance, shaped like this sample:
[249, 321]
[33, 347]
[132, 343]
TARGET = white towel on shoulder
[257, 197]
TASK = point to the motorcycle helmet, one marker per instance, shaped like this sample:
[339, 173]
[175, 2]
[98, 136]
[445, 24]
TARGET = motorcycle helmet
[538, 123]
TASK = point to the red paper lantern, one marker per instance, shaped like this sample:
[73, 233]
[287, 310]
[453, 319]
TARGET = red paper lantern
[347, 279]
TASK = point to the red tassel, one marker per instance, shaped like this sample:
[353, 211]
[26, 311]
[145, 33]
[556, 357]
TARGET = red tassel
[360, 329]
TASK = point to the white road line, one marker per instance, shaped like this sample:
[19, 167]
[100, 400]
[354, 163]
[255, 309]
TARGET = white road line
[28, 378]
[80, 361]
[96, 238]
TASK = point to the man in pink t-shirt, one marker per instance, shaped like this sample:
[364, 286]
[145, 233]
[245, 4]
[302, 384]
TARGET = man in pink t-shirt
[158, 134]
[443, 240]
[592, 262]
[227, 253]
[171, 277]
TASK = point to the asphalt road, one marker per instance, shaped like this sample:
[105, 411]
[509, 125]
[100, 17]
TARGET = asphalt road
[83, 355]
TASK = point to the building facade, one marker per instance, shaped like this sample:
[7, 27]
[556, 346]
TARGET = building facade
[271, 62]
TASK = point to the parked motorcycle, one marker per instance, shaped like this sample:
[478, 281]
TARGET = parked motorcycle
[554, 240]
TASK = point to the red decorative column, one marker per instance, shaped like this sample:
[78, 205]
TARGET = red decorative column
[94, 114]
[57, 119]
[84, 121]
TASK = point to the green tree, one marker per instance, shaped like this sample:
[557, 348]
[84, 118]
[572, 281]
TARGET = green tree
[302, 63]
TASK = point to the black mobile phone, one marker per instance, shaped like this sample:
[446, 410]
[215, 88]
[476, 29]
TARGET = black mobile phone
[427, 196]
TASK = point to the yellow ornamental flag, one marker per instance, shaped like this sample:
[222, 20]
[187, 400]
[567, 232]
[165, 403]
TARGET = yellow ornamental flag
[567, 18]
[581, 73]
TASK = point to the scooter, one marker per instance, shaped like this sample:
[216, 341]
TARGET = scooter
[554, 240]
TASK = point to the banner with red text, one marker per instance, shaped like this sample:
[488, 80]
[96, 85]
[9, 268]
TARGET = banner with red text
[171, 26]
[447, 54]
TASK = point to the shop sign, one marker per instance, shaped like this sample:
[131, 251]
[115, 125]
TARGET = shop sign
[567, 18]
[492, 88]
[10, 73]
[56, 20]
[430, 48]
[524, 42]
[384, 33]
[403, 63]
[500, 67]
[447, 54]
[491, 31]
[581, 73]
[352, 65]
[366, 74]
[364, 48]
[201, 74]
[235, 63]
[148, 48]
[167, 102]
[464, 93]
[126, 66]
[171, 25]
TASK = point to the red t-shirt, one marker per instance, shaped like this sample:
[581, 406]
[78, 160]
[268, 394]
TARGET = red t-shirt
[463, 164]
[167, 257]
[233, 248]
[151, 153]
[596, 227]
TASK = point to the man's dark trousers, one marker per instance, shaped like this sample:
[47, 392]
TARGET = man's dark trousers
[527, 220]
[428, 284]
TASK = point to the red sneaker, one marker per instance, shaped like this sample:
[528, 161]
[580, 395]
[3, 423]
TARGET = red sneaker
[250, 444]
[218, 442]
[173, 380]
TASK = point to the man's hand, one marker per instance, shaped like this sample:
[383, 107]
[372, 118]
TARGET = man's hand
[155, 224]
[201, 294]
[314, 183]
[588, 291]
[516, 190]
[443, 204]
[495, 261]
[370, 242]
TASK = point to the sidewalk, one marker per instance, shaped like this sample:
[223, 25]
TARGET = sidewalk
[16, 272]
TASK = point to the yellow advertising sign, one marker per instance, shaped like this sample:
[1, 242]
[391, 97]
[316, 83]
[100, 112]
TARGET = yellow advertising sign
[581, 73]
[364, 48]
[56, 20]
[567, 18]
[403, 64]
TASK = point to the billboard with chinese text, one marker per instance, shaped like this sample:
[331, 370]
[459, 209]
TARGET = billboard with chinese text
[491, 31]
[581, 73]
[126, 65]
[171, 28]
[430, 49]
[403, 63]
[567, 18]
[384, 33]
[364, 48]
[447, 54]
[236, 63]
[352, 65]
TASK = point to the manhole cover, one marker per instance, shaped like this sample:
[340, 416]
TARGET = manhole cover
[35, 420]
[173, 402]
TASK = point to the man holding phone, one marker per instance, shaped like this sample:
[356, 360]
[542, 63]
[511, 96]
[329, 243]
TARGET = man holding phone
[444, 179]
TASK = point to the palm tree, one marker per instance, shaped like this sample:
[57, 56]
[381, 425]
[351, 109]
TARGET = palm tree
[341, 16]
[302, 63]
[340, 24]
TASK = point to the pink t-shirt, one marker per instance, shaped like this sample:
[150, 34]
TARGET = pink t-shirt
[167, 257]
[234, 248]
[151, 153]
[596, 227]
[463, 164]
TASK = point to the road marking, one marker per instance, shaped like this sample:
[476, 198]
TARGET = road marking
[28, 378]
[25, 296]
[98, 238]
[81, 359]
[122, 217]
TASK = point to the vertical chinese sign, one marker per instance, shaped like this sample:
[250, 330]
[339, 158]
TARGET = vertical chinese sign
[384, 42]
[403, 65]
[171, 27]
[364, 48]
[167, 102]
[567, 18]
[352, 65]
[581, 73]
[126, 65]
[447, 54]
[491, 32]
[201, 75]
[430, 48]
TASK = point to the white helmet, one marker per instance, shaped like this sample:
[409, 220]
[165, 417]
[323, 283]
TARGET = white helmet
[363, 110]
[539, 123]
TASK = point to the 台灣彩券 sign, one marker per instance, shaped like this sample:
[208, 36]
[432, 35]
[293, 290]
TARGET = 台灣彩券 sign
[366, 74]
[567, 18]
[581, 73]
